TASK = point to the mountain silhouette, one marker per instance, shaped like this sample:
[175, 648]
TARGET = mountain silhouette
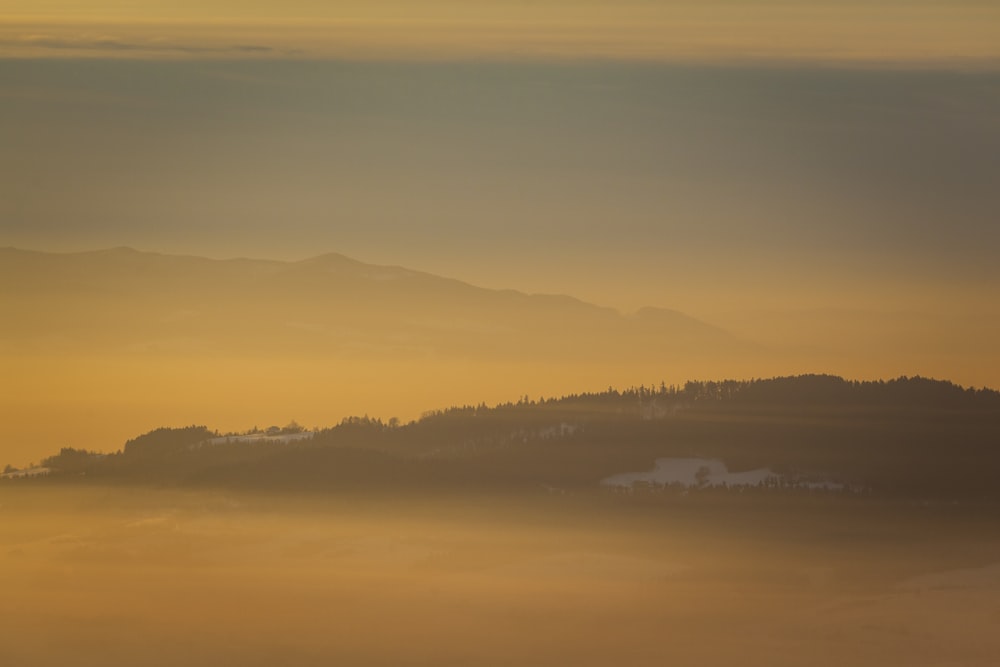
[125, 300]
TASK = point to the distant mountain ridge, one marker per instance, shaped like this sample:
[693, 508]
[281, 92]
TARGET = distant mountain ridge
[122, 299]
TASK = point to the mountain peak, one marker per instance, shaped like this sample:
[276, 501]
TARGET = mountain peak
[329, 258]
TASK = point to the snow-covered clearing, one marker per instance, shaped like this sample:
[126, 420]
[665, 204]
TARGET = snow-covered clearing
[697, 472]
[29, 472]
[261, 437]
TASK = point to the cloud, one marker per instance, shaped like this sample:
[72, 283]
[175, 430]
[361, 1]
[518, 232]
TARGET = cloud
[110, 45]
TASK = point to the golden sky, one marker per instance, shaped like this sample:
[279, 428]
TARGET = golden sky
[894, 31]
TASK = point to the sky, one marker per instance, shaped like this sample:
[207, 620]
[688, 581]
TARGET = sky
[881, 31]
[625, 183]
[798, 172]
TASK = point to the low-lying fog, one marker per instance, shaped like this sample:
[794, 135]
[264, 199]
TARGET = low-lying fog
[113, 577]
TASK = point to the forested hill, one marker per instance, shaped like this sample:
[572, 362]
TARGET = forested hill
[830, 390]
[908, 436]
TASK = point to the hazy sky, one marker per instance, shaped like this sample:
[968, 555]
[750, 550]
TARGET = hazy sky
[629, 183]
[704, 156]
[698, 155]
[885, 30]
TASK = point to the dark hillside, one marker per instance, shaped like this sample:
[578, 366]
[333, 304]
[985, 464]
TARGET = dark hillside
[908, 437]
